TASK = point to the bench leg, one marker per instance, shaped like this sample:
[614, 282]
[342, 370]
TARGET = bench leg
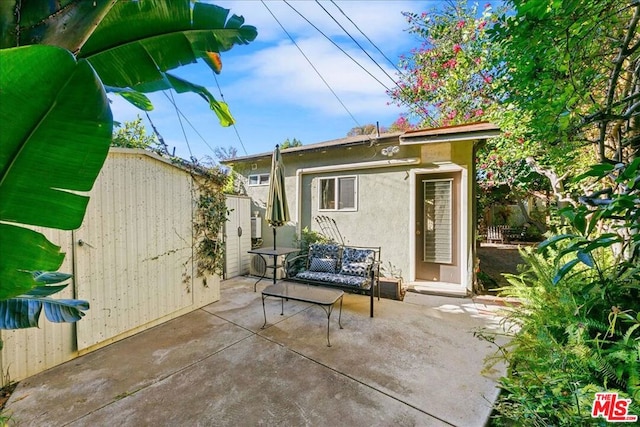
[371, 288]
[265, 313]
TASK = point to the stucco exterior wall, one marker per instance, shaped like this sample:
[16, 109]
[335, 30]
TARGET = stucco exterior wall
[383, 197]
[390, 198]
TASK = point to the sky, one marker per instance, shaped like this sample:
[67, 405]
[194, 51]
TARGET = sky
[274, 93]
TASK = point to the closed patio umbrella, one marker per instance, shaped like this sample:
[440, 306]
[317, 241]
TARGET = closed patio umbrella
[277, 210]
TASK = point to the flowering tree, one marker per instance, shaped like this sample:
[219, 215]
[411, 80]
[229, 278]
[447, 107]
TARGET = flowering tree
[447, 79]
[450, 79]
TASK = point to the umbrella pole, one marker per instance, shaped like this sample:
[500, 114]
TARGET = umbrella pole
[275, 257]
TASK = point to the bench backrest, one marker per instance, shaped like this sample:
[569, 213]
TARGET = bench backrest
[350, 260]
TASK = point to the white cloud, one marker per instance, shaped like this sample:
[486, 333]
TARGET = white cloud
[271, 88]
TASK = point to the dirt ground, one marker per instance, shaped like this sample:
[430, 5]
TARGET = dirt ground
[496, 259]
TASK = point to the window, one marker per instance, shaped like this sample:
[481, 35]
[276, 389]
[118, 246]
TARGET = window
[259, 179]
[337, 194]
[438, 221]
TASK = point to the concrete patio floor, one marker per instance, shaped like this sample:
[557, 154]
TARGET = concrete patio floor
[416, 363]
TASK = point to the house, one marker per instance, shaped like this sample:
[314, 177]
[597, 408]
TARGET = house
[411, 193]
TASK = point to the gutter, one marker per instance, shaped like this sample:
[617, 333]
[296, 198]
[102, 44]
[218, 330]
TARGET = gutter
[339, 168]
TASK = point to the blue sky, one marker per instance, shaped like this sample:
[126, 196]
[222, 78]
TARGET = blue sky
[271, 89]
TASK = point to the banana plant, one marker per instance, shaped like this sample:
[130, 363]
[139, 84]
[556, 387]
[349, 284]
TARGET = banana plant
[58, 60]
[24, 310]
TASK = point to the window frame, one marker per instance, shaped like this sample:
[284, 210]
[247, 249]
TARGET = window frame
[336, 200]
[260, 177]
[439, 258]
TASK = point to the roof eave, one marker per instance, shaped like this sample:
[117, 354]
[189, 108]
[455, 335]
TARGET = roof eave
[452, 137]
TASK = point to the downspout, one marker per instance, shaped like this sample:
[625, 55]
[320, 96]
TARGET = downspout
[341, 168]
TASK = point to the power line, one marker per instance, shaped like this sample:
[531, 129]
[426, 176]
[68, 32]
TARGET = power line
[393, 64]
[336, 45]
[186, 140]
[180, 113]
[234, 125]
[356, 42]
[426, 114]
[310, 63]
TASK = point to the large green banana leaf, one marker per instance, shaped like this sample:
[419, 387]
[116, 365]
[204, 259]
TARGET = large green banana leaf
[54, 116]
[138, 42]
[63, 23]
[135, 42]
[56, 130]
[24, 311]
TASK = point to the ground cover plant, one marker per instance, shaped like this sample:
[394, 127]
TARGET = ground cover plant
[579, 325]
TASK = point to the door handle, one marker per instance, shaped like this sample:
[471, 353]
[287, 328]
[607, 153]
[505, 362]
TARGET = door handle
[239, 231]
[83, 243]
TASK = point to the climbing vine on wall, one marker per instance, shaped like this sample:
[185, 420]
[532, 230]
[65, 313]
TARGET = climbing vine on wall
[210, 216]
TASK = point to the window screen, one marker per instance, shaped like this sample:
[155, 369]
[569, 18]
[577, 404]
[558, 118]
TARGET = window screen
[438, 221]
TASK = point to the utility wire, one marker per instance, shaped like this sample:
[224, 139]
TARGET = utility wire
[426, 114]
[310, 63]
[234, 125]
[180, 121]
[393, 64]
[356, 42]
[336, 45]
[190, 124]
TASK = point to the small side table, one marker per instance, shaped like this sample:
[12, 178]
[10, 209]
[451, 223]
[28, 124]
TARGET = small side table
[272, 252]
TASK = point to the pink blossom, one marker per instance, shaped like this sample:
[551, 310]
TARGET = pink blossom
[487, 79]
[482, 25]
[452, 114]
[434, 75]
[450, 63]
[456, 48]
[479, 112]
[460, 24]
[477, 61]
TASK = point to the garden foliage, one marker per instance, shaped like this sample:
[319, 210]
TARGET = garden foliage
[578, 330]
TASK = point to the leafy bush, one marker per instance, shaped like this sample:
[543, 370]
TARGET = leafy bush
[579, 323]
[307, 237]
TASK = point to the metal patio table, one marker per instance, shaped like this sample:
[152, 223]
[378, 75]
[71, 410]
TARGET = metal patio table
[322, 297]
[275, 253]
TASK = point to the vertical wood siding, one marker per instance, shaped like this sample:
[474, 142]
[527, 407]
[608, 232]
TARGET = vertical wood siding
[144, 273]
[132, 259]
[29, 351]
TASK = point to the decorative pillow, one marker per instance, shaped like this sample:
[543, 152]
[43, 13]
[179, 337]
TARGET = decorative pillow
[355, 268]
[324, 250]
[324, 265]
[357, 255]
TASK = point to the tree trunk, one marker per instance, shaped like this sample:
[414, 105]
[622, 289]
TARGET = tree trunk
[557, 183]
[542, 228]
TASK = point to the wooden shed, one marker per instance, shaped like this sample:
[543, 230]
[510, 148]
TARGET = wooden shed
[133, 259]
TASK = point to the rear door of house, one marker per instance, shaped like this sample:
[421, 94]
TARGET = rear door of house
[437, 228]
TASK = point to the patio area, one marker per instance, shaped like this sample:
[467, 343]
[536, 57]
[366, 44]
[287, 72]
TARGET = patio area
[415, 363]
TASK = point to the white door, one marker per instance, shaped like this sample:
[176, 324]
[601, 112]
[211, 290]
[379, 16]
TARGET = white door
[237, 236]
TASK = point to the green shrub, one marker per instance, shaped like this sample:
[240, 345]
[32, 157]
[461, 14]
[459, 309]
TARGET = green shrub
[578, 329]
[568, 346]
[307, 237]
